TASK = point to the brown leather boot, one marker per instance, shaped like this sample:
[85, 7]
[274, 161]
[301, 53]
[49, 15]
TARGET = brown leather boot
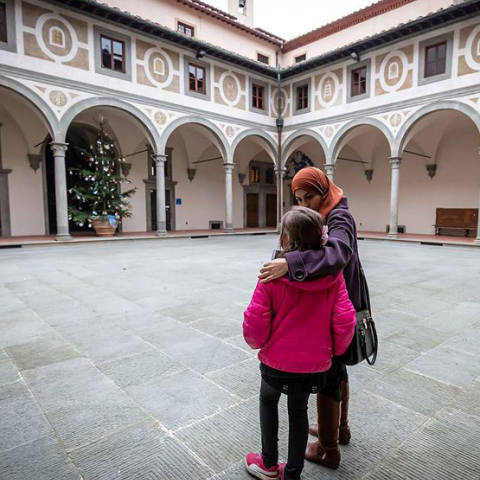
[345, 434]
[326, 451]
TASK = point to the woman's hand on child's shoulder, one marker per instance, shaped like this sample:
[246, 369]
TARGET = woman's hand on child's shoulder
[272, 270]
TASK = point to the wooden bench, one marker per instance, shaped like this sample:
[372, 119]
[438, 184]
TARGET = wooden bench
[465, 219]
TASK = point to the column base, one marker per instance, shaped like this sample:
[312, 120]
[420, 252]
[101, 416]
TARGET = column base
[393, 236]
[63, 238]
[161, 233]
[228, 229]
[477, 241]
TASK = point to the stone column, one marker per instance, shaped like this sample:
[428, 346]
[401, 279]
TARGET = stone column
[61, 198]
[228, 167]
[330, 170]
[5, 226]
[395, 162]
[280, 172]
[160, 161]
[477, 240]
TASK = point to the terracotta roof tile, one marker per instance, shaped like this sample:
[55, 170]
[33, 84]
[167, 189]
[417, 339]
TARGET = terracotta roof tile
[343, 23]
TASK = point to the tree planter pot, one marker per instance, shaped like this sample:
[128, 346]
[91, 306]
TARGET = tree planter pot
[103, 227]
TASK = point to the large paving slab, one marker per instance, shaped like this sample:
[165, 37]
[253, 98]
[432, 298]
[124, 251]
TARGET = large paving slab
[127, 361]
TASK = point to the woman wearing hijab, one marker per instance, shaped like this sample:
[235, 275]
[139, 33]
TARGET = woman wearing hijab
[313, 189]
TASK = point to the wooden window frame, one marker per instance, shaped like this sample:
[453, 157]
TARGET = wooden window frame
[354, 83]
[258, 96]
[302, 97]
[266, 58]
[301, 58]
[437, 60]
[112, 40]
[197, 67]
[3, 24]
[185, 27]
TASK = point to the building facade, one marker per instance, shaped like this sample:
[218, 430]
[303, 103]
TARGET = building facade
[214, 116]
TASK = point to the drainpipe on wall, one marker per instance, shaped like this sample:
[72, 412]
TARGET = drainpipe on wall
[279, 124]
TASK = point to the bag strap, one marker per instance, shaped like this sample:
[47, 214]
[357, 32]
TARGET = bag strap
[375, 344]
[366, 305]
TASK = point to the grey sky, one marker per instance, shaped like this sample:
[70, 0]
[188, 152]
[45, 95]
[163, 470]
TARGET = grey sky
[291, 18]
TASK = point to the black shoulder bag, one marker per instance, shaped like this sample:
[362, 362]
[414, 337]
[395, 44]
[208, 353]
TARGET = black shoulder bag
[364, 344]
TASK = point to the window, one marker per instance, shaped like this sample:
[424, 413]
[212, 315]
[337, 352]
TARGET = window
[254, 175]
[185, 29]
[436, 59]
[3, 23]
[159, 66]
[302, 97]
[359, 81]
[113, 54]
[196, 78]
[258, 97]
[393, 70]
[263, 58]
[270, 176]
[57, 37]
[301, 58]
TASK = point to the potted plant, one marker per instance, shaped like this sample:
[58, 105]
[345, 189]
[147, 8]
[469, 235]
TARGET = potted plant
[97, 199]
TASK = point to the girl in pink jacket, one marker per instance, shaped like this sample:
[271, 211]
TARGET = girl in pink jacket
[297, 326]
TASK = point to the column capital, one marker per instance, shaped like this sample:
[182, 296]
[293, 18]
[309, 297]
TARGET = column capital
[280, 172]
[395, 162]
[59, 148]
[228, 167]
[330, 167]
[159, 159]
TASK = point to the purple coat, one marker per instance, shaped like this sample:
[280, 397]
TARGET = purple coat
[340, 253]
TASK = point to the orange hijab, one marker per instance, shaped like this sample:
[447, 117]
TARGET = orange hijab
[313, 180]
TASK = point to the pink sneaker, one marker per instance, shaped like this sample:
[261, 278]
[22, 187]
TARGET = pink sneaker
[255, 466]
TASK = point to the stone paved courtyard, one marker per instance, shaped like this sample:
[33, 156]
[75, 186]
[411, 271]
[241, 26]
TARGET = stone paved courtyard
[126, 361]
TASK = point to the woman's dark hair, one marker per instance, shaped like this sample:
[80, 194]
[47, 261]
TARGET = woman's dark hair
[301, 230]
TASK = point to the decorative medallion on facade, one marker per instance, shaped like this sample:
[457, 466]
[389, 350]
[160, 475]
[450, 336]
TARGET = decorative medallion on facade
[54, 37]
[230, 89]
[328, 89]
[329, 131]
[394, 71]
[229, 131]
[160, 118]
[469, 55]
[395, 120]
[284, 103]
[58, 98]
[158, 67]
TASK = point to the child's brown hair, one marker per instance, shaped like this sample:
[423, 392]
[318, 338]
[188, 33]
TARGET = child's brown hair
[302, 229]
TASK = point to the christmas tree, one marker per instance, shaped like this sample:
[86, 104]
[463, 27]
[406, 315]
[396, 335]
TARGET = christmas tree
[98, 195]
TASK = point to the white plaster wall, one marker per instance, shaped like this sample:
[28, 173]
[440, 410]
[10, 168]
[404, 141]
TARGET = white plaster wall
[24, 185]
[167, 12]
[456, 184]
[369, 203]
[366, 29]
[203, 199]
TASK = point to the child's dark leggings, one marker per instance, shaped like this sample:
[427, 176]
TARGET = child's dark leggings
[297, 433]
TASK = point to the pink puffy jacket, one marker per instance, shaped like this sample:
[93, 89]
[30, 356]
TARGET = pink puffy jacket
[299, 325]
